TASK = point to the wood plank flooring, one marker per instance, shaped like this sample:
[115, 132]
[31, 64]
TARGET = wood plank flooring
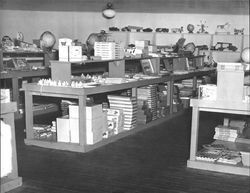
[151, 161]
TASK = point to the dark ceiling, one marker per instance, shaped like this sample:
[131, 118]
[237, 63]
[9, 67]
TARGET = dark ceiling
[232, 7]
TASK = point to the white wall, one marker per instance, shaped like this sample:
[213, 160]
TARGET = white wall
[78, 25]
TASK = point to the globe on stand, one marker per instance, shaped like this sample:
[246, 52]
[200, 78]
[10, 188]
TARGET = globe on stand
[190, 28]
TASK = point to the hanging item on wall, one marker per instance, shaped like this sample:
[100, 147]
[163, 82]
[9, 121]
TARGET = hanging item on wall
[109, 12]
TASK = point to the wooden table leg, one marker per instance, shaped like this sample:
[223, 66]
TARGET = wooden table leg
[29, 115]
[194, 133]
[82, 121]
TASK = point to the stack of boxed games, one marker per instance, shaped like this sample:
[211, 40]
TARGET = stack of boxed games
[147, 103]
[128, 105]
[115, 122]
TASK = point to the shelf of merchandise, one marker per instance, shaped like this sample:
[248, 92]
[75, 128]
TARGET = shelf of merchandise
[163, 39]
[220, 106]
[12, 180]
[189, 75]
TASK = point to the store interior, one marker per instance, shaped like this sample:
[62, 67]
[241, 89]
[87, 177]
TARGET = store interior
[125, 96]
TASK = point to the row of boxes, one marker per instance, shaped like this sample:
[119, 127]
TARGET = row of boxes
[69, 52]
[68, 126]
[108, 50]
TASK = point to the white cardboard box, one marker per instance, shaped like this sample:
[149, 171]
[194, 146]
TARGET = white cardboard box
[74, 130]
[63, 129]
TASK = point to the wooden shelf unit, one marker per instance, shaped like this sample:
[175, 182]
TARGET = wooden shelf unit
[12, 180]
[80, 94]
[220, 106]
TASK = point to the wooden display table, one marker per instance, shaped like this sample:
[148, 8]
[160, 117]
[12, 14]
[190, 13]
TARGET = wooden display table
[80, 94]
[32, 89]
[218, 107]
[12, 180]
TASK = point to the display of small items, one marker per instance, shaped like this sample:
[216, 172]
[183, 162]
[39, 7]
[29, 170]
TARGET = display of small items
[238, 31]
[45, 132]
[202, 27]
[223, 29]
[222, 46]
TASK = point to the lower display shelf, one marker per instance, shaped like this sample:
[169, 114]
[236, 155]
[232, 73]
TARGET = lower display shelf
[75, 147]
[219, 167]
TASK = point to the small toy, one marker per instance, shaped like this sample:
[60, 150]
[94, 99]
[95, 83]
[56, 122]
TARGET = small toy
[114, 29]
[177, 30]
[223, 29]
[202, 27]
[147, 30]
[238, 31]
[222, 46]
[162, 30]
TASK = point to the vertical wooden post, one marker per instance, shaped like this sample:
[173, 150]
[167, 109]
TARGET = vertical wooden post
[170, 93]
[29, 114]
[194, 133]
[82, 121]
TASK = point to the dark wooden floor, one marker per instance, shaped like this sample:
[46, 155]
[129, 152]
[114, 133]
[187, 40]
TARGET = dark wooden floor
[151, 161]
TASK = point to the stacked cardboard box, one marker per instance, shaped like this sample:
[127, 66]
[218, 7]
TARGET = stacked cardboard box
[128, 105]
[147, 103]
[68, 126]
[108, 50]
[115, 122]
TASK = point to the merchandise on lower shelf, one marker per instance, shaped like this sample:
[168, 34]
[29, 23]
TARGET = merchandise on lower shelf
[230, 130]
[115, 120]
[128, 105]
[43, 108]
[44, 132]
[218, 153]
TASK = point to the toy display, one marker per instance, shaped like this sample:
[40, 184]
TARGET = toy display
[190, 28]
[177, 30]
[222, 46]
[223, 29]
[238, 31]
[202, 27]
[114, 29]
[147, 30]
[162, 30]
